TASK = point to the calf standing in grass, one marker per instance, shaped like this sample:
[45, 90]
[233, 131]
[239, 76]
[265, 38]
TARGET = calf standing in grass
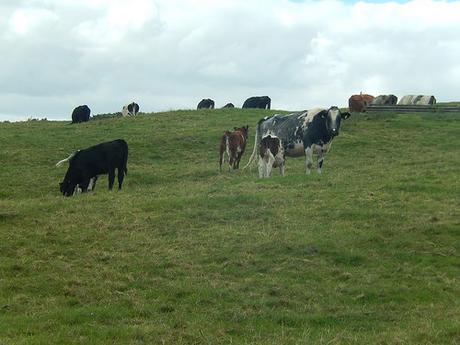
[271, 155]
[233, 143]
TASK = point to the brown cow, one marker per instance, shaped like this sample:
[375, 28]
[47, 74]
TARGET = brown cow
[358, 103]
[271, 155]
[233, 143]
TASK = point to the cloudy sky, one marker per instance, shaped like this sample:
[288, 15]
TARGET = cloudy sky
[169, 54]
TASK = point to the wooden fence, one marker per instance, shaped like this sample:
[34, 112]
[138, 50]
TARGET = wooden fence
[413, 108]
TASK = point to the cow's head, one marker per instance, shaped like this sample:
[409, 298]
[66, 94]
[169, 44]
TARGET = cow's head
[67, 188]
[333, 117]
[244, 131]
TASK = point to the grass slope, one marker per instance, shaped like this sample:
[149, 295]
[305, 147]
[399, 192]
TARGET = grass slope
[366, 253]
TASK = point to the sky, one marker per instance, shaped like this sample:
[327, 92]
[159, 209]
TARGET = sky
[169, 54]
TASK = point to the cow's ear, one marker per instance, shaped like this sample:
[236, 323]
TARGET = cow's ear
[345, 115]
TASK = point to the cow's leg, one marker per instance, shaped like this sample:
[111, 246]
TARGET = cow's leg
[271, 161]
[308, 159]
[121, 176]
[320, 160]
[221, 159]
[282, 169]
[111, 177]
[262, 167]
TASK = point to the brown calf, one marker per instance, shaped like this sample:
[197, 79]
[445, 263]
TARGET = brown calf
[233, 143]
[271, 155]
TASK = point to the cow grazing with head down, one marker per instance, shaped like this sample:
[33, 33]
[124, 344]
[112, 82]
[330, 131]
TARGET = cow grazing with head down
[206, 103]
[271, 155]
[233, 144]
[81, 114]
[228, 105]
[261, 102]
[130, 110]
[85, 165]
[303, 133]
[358, 103]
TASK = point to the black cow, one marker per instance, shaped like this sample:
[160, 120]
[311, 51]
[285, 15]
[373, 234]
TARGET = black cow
[81, 114]
[130, 110]
[228, 105]
[261, 102]
[303, 133]
[85, 165]
[206, 104]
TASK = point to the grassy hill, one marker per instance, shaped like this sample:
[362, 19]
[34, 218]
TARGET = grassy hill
[366, 253]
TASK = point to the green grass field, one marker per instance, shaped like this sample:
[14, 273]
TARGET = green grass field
[366, 253]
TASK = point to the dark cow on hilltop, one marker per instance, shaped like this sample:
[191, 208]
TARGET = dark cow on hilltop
[358, 103]
[206, 104]
[271, 155]
[233, 144]
[228, 105]
[261, 102]
[385, 100]
[85, 165]
[303, 133]
[81, 114]
[130, 110]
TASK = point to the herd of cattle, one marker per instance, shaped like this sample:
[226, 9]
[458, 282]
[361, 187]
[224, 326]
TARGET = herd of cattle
[297, 134]
[359, 103]
[293, 135]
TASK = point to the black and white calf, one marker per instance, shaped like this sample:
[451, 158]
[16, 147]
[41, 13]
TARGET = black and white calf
[130, 109]
[271, 155]
[303, 133]
[85, 165]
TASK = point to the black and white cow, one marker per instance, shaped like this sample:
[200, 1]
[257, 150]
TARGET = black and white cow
[85, 165]
[206, 103]
[81, 114]
[271, 155]
[261, 102]
[303, 133]
[130, 109]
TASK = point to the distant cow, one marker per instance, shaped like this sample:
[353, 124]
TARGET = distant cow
[228, 105]
[85, 165]
[358, 103]
[303, 133]
[130, 109]
[233, 144]
[261, 102]
[271, 155]
[81, 114]
[417, 100]
[206, 104]
[385, 100]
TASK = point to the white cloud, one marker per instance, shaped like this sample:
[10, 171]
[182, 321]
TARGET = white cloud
[169, 54]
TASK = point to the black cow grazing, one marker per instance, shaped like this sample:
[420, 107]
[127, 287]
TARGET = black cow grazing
[271, 155]
[81, 114]
[261, 102]
[130, 110]
[206, 104]
[86, 164]
[303, 133]
[228, 105]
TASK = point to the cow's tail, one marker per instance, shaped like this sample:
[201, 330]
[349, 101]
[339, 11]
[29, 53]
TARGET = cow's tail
[255, 145]
[58, 164]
